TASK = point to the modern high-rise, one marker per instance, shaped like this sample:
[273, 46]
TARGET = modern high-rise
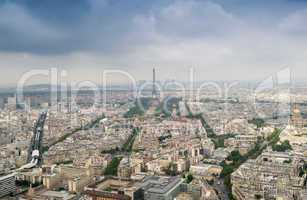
[154, 89]
[12, 103]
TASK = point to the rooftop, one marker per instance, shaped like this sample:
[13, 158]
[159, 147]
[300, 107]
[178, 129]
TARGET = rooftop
[160, 184]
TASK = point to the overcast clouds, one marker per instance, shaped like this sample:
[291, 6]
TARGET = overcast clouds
[238, 39]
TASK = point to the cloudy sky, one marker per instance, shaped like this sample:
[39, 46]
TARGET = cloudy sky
[221, 40]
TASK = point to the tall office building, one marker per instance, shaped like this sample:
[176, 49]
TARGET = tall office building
[2, 103]
[12, 102]
[68, 98]
[154, 89]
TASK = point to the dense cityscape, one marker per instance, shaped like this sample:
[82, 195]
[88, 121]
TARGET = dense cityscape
[181, 146]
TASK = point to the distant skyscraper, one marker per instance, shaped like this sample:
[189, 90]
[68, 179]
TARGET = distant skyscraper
[68, 98]
[12, 102]
[154, 90]
[2, 103]
[59, 98]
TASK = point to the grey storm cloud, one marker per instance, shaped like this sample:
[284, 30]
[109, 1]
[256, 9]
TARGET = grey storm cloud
[57, 27]
[220, 39]
[44, 29]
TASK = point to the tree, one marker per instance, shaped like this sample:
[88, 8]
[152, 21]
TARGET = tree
[284, 146]
[257, 121]
[189, 178]
[258, 196]
[235, 156]
[112, 166]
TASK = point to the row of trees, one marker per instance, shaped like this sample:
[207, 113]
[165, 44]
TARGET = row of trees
[282, 147]
[236, 159]
[166, 106]
[111, 169]
[139, 108]
[257, 121]
[66, 135]
[129, 143]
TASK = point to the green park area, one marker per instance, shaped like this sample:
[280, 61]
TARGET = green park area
[111, 169]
